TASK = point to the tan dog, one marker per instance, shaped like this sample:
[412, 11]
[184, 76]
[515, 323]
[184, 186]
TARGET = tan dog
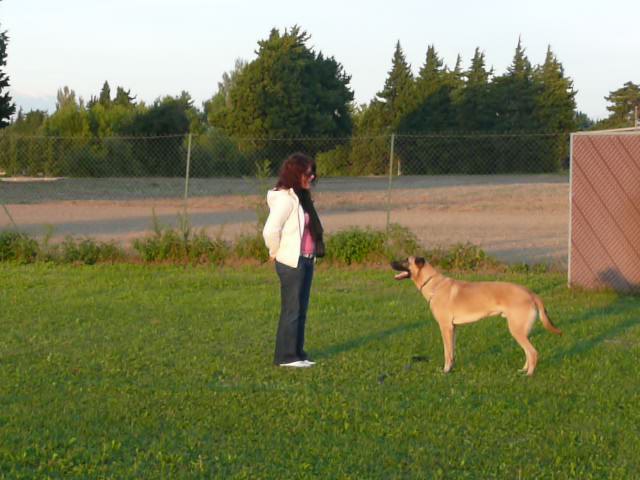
[454, 302]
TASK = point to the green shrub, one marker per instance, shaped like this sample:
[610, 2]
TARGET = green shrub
[251, 247]
[182, 246]
[86, 251]
[202, 249]
[163, 245]
[17, 247]
[402, 243]
[461, 256]
[356, 245]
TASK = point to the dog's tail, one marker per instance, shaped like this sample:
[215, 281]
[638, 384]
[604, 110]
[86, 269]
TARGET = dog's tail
[544, 318]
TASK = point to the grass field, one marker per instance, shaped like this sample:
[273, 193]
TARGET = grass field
[130, 371]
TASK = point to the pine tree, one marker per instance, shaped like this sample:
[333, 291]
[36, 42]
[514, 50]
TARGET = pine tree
[431, 75]
[123, 97]
[7, 107]
[583, 122]
[456, 77]
[555, 103]
[396, 95]
[433, 107]
[623, 104]
[105, 95]
[514, 96]
[474, 109]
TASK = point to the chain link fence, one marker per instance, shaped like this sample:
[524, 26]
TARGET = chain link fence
[505, 193]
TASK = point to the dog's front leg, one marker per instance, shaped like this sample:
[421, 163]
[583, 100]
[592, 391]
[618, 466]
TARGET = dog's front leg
[447, 330]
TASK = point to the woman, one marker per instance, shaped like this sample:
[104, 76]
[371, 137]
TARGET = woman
[293, 235]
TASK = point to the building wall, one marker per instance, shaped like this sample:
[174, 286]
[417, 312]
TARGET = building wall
[604, 248]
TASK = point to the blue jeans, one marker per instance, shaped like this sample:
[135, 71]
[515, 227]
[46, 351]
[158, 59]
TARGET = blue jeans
[295, 288]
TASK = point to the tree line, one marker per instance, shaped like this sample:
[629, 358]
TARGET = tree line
[291, 97]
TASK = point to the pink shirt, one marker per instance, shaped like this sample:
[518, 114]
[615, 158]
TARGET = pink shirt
[308, 246]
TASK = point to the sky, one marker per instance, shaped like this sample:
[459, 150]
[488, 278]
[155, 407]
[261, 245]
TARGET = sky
[162, 47]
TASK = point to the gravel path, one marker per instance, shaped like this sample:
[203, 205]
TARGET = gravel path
[516, 218]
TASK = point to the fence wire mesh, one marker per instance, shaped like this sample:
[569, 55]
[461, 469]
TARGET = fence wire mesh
[505, 193]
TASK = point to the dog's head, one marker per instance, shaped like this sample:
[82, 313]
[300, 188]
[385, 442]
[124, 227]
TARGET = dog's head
[409, 268]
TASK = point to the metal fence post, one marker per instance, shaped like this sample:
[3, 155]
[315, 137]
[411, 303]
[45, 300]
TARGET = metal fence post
[186, 178]
[393, 138]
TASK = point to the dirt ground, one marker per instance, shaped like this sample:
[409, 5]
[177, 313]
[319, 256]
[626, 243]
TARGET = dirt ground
[515, 218]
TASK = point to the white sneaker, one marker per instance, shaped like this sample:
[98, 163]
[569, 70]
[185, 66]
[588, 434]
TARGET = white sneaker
[310, 362]
[296, 364]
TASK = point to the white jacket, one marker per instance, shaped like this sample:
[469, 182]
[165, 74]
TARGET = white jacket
[284, 226]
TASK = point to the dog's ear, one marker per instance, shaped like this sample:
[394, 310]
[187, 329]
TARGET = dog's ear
[419, 261]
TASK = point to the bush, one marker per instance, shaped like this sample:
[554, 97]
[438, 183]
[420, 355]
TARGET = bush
[402, 243]
[365, 245]
[251, 247]
[86, 251]
[461, 256]
[202, 249]
[356, 246]
[17, 247]
[163, 245]
[182, 247]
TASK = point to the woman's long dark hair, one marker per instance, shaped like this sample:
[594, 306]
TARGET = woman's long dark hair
[293, 168]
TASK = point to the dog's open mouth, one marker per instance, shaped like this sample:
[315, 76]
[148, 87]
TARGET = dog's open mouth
[402, 268]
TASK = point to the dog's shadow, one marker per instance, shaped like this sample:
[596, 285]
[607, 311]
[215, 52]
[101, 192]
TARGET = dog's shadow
[621, 306]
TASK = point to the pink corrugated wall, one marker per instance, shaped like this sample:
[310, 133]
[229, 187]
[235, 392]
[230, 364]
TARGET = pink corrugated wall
[605, 210]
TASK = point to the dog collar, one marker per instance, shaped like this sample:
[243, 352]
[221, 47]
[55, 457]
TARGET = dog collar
[425, 283]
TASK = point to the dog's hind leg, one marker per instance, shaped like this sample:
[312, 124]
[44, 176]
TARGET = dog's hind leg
[520, 325]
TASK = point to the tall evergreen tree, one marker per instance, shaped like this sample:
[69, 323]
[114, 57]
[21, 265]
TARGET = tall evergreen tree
[583, 122]
[396, 95]
[7, 107]
[432, 109]
[555, 108]
[473, 108]
[514, 95]
[105, 95]
[623, 102]
[431, 75]
[124, 98]
[456, 76]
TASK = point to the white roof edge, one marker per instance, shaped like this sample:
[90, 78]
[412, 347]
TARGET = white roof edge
[612, 131]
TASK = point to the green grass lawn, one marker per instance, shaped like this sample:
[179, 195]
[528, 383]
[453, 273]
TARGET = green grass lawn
[132, 371]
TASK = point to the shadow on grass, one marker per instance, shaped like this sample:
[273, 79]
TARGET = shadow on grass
[361, 341]
[622, 306]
